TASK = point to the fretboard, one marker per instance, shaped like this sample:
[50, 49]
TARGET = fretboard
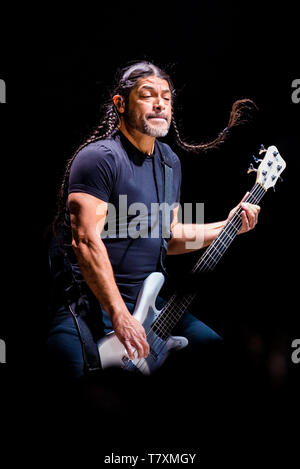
[179, 302]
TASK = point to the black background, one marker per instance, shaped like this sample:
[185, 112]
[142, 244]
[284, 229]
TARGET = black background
[58, 69]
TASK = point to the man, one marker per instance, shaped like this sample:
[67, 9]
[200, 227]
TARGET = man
[123, 158]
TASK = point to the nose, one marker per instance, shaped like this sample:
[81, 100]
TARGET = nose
[158, 104]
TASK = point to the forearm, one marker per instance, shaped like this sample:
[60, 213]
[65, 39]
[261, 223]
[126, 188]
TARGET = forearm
[191, 237]
[97, 271]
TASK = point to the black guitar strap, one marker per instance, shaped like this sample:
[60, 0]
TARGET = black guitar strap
[166, 214]
[89, 347]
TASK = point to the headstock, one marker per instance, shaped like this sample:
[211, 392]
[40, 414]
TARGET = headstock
[270, 168]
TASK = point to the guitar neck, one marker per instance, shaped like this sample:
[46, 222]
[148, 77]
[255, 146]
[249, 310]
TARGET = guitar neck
[178, 303]
[219, 246]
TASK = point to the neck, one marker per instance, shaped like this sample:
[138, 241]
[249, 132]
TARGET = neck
[144, 143]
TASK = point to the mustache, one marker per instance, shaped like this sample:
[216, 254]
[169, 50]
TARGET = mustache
[158, 116]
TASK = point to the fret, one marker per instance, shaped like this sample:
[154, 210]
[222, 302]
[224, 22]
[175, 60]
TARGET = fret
[226, 232]
[221, 245]
[217, 250]
[210, 255]
[220, 240]
[256, 198]
[205, 265]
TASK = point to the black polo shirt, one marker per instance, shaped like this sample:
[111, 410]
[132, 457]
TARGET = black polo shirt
[111, 168]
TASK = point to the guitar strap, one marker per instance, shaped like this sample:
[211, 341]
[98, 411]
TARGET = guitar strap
[73, 293]
[88, 344]
[166, 213]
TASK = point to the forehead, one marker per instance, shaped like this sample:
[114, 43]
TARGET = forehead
[153, 82]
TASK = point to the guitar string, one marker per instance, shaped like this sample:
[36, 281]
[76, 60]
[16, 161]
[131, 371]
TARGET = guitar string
[231, 228]
[256, 193]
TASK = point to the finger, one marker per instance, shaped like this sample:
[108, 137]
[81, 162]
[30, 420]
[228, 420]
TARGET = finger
[129, 349]
[143, 349]
[251, 215]
[138, 346]
[143, 341]
[245, 223]
[253, 207]
[146, 348]
[143, 332]
[256, 210]
[247, 193]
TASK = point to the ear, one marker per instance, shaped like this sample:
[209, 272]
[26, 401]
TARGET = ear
[119, 103]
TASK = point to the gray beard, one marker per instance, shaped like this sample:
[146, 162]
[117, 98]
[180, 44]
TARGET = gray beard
[145, 128]
[154, 131]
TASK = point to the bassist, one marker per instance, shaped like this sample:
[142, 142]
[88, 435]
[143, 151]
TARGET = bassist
[122, 158]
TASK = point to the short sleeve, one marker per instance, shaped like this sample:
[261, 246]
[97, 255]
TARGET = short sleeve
[93, 171]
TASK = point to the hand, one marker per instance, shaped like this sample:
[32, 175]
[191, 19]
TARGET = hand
[249, 215]
[132, 335]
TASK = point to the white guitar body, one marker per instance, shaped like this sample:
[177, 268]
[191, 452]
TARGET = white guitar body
[113, 353]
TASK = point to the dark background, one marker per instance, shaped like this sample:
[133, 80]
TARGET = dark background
[58, 68]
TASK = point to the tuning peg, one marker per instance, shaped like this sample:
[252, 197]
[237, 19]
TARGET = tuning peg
[279, 179]
[262, 149]
[251, 168]
[256, 160]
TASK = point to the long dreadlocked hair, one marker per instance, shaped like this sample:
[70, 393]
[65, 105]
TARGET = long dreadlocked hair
[126, 79]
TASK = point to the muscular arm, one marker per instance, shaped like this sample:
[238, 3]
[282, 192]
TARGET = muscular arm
[87, 220]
